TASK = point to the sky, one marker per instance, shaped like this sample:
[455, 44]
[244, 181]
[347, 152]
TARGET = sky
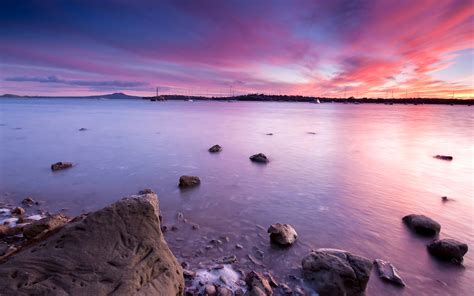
[337, 48]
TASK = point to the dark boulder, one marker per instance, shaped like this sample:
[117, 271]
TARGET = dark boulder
[61, 166]
[118, 250]
[189, 181]
[422, 225]
[388, 272]
[260, 158]
[282, 234]
[448, 250]
[444, 157]
[336, 272]
[18, 211]
[215, 148]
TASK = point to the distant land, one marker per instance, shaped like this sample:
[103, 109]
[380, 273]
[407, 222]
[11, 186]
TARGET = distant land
[268, 98]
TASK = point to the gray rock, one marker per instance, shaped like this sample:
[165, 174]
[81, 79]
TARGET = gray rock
[282, 234]
[189, 181]
[260, 158]
[61, 166]
[422, 225]
[257, 284]
[448, 250]
[215, 149]
[118, 250]
[336, 272]
[388, 272]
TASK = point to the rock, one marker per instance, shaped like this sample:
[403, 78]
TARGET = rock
[46, 224]
[146, 191]
[18, 211]
[269, 134]
[117, 250]
[448, 250]
[210, 290]
[189, 274]
[3, 248]
[311, 133]
[336, 272]
[282, 234]
[239, 246]
[271, 280]
[443, 157]
[82, 129]
[223, 291]
[444, 198]
[215, 148]
[422, 225]
[188, 181]
[3, 230]
[28, 201]
[260, 158]
[227, 259]
[61, 166]
[388, 272]
[257, 284]
[286, 289]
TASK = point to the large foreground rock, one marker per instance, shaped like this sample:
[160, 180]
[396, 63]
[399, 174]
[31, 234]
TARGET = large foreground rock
[422, 225]
[336, 272]
[282, 234]
[448, 250]
[118, 250]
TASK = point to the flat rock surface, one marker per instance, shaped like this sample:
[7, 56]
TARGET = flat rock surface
[118, 250]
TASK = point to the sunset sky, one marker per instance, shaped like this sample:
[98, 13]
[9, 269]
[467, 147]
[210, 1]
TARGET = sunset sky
[422, 48]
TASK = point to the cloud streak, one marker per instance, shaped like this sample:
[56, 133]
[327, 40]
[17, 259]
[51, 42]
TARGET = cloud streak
[364, 47]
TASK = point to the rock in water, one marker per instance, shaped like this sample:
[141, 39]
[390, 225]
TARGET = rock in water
[257, 284]
[422, 225]
[61, 166]
[260, 158]
[448, 250]
[118, 250]
[388, 272]
[444, 157]
[336, 272]
[282, 234]
[215, 148]
[188, 181]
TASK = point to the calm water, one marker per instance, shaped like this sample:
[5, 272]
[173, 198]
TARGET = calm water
[346, 187]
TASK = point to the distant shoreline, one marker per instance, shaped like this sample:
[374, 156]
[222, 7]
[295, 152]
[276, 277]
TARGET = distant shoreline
[265, 98]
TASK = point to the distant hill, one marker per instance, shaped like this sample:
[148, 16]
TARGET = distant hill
[114, 96]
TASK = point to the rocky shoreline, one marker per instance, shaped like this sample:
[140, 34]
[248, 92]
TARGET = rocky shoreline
[121, 249]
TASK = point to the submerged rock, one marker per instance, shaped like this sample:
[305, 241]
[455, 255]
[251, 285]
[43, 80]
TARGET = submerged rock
[448, 250]
[118, 250]
[260, 158]
[189, 181]
[61, 166]
[82, 129]
[282, 234]
[422, 225]
[18, 211]
[215, 148]
[336, 272]
[388, 272]
[257, 284]
[443, 157]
